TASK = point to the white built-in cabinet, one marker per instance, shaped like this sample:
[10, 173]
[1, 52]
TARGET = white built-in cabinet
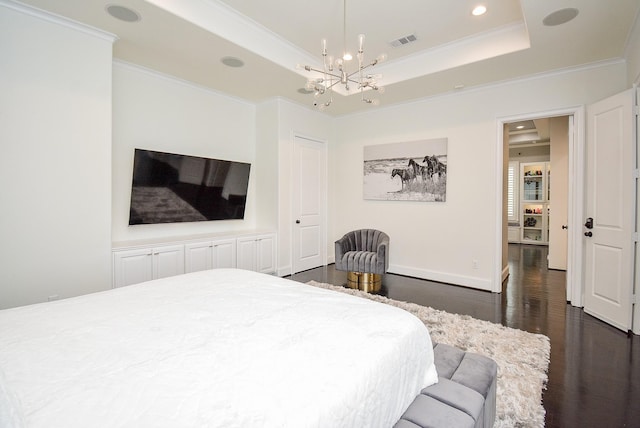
[535, 180]
[144, 262]
[257, 253]
[219, 253]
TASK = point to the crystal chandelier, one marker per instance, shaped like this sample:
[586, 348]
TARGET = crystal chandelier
[336, 72]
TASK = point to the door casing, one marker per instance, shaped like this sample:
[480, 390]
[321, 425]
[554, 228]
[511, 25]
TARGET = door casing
[575, 202]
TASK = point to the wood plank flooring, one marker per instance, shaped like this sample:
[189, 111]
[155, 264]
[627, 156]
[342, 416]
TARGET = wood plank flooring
[594, 374]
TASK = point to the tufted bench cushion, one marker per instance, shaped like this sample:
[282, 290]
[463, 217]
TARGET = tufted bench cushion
[465, 395]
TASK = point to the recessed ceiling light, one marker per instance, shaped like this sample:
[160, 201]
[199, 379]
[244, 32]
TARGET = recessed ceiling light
[123, 13]
[479, 10]
[560, 17]
[232, 61]
[520, 127]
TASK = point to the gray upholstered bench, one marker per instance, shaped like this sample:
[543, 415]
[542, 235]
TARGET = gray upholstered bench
[465, 395]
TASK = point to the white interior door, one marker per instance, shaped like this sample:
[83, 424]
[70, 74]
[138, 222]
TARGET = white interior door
[561, 132]
[309, 178]
[610, 209]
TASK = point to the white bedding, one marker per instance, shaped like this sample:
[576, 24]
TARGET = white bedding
[220, 348]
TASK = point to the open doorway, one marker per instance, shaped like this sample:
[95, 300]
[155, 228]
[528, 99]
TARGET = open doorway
[537, 193]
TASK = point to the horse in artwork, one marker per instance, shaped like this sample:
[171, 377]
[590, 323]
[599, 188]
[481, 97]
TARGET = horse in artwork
[406, 175]
[417, 168]
[434, 166]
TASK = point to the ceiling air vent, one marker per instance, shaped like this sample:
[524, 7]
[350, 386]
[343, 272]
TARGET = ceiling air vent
[403, 40]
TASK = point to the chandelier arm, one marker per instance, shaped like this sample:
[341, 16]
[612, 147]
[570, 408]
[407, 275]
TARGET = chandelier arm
[358, 82]
[334, 84]
[321, 71]
[358, 71]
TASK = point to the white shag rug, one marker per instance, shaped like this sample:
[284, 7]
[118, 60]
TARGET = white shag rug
[522, 357]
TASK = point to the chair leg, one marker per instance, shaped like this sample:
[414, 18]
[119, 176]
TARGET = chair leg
[367, 282]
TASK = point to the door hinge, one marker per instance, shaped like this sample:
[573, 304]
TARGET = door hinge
[636, 173]
[634, 299]
[635, 237]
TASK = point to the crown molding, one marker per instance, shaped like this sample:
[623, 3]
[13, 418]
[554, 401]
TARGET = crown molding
[176, 80]
[59, 20]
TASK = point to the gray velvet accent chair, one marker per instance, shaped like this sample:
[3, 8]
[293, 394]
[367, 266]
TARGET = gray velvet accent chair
[364, 254]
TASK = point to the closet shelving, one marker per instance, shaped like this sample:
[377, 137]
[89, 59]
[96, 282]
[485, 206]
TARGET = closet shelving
[535, 179]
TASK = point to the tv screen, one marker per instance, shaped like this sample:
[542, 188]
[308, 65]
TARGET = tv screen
[171, 188]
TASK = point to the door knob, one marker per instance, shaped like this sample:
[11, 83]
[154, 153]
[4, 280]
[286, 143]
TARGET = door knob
[589, 223]
[564, 226]
[297, 221]
[588, 234]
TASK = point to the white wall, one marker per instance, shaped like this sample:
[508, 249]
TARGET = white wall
[632, 55]
[55, 169]
[267, 168]
[440, 240]
[158, 112]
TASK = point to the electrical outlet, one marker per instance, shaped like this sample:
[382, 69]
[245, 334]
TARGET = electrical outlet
[474, 264]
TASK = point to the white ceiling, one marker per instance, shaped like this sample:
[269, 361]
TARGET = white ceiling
[187, 39]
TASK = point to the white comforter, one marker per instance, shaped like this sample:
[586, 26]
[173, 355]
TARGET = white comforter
[221, 348]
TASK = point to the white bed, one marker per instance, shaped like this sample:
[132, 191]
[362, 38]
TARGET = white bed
[220, 348]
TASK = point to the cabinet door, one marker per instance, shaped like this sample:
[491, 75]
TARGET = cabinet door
[246, 252]
[266, 254]
[533, 181]
[198, 256]
[168, 261]
[132, 267]
[224, 253]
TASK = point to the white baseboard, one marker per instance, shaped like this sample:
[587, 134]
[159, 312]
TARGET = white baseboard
[448, 278]
[284, 271]
[467, 281]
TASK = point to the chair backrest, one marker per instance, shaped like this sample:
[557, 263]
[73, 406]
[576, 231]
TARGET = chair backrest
[366, 239]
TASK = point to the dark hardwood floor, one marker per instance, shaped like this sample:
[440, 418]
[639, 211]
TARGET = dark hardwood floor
[594, 374]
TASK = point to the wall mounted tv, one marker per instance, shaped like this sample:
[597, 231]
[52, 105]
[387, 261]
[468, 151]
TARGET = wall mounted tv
[171, 188]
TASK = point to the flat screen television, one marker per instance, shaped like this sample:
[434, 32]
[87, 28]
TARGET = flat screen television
[172, 188]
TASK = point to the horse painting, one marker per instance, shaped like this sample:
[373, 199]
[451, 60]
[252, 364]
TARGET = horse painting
[406, 175]
[421, 166]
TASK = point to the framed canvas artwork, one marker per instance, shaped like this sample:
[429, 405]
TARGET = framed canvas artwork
[406, 171]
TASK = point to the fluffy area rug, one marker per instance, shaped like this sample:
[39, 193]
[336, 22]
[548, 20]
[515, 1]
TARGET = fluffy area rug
[522, 357]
